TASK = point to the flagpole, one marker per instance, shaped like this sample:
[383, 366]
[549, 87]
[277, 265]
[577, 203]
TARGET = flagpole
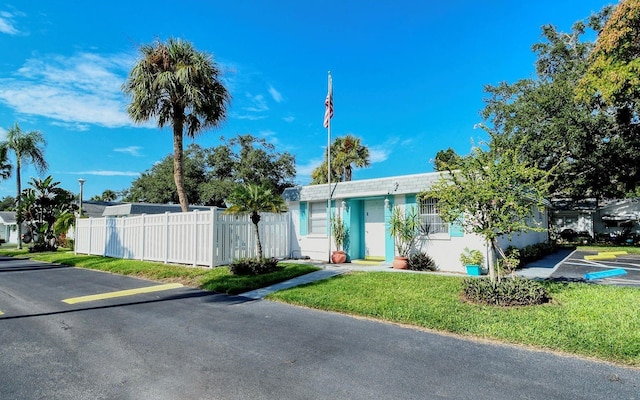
[327, 121]
[330, 83]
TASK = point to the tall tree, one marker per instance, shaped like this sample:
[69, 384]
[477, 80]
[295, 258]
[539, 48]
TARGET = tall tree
[177, 85]
[27, 148]
[347, 152]
[613, 67]
[211, 174]
[8, 203]
[563, 133]
[447, 159]
[253, 199]
[493, 193]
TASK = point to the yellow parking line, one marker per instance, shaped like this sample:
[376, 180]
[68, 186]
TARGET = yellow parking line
[122, 293]
[1, 313]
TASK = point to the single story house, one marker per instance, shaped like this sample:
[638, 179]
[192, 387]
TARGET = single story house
[8, 227]
[366, 205]
[126, 209]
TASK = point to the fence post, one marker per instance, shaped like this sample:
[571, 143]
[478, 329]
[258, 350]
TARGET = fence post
[166, 237]
[75, 236]
[214, 236]
[195, 238]
[142, 236]
[106, 237]
[90, 233]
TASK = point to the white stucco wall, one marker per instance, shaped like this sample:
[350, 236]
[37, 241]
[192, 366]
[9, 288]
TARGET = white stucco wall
[443, 248]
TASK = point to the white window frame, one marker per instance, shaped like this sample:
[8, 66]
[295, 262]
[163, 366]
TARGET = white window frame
[428, 208]
[317, 222]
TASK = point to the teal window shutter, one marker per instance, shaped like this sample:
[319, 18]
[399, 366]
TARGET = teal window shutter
[304, 221]
[456, 229]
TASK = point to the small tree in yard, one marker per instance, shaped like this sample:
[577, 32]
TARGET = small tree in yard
[253, 199]
[42, 205]
[492, 194]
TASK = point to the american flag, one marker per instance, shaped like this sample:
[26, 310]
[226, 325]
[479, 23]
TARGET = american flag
[328, 112]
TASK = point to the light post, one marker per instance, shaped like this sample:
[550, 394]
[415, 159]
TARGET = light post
[81, 182]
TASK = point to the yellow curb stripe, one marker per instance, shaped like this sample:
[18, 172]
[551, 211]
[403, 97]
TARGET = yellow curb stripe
[122, 293]
[600, 257]
[1, 313]
[612, 253]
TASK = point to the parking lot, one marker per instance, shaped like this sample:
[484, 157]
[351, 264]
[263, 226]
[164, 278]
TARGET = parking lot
[575, 267]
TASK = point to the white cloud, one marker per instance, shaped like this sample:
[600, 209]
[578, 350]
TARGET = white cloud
[107, 173]
[258, 103]
[269, 136]
[78, 90]
[3, 132]
[7, 24]
[277, 96]
[289, 118]
[131, 150]
[378, 154]
[249, 117]
[306, 169]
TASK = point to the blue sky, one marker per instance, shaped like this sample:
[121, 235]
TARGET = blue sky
[408, 76]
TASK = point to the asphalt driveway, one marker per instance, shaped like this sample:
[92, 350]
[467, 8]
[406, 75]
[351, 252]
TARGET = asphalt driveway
[69, 333]
[575, 267]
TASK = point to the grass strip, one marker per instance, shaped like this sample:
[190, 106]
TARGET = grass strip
[585, 319]
[217, 279]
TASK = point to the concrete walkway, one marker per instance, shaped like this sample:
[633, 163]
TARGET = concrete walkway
[540, 269]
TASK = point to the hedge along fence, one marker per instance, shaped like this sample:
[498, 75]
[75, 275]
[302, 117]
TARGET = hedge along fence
[208, 238]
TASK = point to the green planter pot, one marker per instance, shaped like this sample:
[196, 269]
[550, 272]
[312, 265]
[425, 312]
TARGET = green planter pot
[474, 270]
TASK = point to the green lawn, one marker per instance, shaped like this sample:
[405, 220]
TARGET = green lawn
[589, 320]
[218, 280]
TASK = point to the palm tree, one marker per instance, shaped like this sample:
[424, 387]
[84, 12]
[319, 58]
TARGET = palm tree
[253, 199]
[108, 195]
[346, 152]
[177, 85]
[26, 146]
[5, 164]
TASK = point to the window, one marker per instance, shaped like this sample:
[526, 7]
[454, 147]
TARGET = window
[429, 216]
[318, 218]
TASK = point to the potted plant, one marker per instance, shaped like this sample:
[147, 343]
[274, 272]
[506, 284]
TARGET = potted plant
[340, 233]
[405, 228]
[472, 260]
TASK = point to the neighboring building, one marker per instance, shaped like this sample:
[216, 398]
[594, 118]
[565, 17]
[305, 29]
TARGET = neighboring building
[126, 209]
[617, 219]
[8, 227]
[604, 222]
[95, 208]
[575, 215]
[366, 205]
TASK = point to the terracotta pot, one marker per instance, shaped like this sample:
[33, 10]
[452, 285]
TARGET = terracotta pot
[338, 257]
[400, 262]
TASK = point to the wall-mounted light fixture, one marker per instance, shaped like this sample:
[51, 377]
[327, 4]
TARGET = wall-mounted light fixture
[344, 205]
[387, 205]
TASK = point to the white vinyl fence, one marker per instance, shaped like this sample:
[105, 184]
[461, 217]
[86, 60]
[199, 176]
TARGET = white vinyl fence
[208, 238]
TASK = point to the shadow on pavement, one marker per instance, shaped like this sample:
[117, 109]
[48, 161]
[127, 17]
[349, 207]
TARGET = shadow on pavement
[194, 293]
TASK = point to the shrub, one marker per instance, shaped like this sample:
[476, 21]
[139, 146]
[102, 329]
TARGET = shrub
[530, 253]
[253, 266]
[71, 244]
[42, 247]
[421, 262]
[508, 292]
